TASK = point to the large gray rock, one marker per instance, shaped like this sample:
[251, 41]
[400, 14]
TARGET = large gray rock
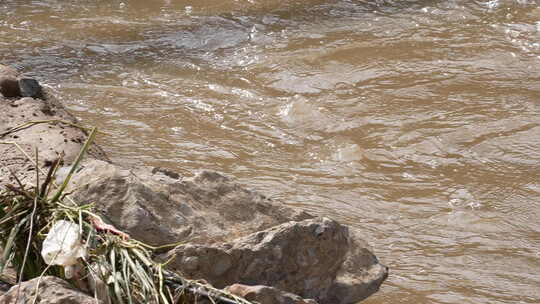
[266, 295]
[47, 290]
[160, 207]
[299, 257]
[304, 258]
[232, 235]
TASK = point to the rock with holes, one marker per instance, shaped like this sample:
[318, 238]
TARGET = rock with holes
[47, 290]
[310, 258]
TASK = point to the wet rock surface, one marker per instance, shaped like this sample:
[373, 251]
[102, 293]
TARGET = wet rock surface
[46, 290]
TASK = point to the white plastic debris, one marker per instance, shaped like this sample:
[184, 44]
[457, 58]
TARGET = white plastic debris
[63, 246]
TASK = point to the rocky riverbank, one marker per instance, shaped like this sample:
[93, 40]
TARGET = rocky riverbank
[234, 238]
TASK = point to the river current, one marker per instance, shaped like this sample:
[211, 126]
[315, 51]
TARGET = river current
[415, 122]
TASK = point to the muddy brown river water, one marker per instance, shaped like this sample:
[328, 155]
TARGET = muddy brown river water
[417, 122]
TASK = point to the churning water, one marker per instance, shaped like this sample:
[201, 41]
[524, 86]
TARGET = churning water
[416, 122]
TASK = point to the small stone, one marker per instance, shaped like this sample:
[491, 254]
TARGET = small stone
[9, 87]
[30, 88]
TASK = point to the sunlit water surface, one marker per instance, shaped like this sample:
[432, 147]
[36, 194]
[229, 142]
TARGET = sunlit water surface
[417, 122]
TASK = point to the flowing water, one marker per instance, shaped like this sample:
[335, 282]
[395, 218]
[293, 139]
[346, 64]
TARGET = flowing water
[417, 122]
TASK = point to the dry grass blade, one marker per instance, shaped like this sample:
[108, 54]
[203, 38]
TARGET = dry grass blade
[37, 122]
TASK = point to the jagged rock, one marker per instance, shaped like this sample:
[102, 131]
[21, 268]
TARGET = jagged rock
[51, 290]
[266, 295]
[299, 257]
[161, 208]
[361, 274]
[51, 139]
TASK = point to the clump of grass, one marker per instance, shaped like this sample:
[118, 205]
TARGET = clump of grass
[123, 267]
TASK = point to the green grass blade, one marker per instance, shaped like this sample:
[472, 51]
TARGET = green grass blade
[79, 158]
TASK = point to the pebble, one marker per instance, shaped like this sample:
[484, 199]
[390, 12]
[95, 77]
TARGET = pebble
[30, 88]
